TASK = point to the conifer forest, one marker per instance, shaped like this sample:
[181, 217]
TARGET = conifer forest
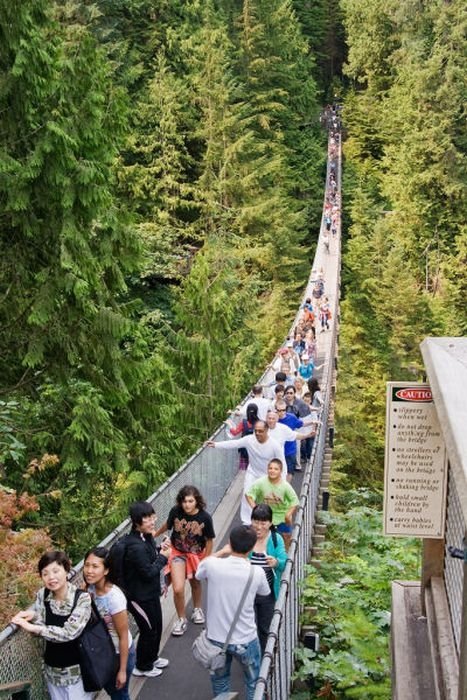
[162, 166]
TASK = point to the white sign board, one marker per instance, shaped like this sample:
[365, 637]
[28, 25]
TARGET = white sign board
[415, 470]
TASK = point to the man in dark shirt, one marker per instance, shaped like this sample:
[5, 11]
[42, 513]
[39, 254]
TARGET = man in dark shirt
[295, 405]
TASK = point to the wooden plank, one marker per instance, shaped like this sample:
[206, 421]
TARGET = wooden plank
[412, 671]
[445, 640]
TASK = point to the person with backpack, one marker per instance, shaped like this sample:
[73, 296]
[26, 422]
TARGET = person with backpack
[141, 565]
[270, 555]
[112, 606]
[232, 587]
[324, 315]
[318, 288]
[263, 404]
[59, 615]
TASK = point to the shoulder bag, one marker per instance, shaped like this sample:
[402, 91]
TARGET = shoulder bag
[98, 659]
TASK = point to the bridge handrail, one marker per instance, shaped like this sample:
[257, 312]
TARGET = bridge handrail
[444, 360]
[278, 661]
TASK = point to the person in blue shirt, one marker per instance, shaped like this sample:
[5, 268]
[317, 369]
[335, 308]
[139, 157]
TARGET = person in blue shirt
[307, 367]
[290, 447]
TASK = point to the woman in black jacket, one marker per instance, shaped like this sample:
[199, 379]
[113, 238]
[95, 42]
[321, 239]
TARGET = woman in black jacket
[143, 564]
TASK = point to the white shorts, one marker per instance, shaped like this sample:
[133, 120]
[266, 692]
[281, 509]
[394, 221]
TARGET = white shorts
[69, 692]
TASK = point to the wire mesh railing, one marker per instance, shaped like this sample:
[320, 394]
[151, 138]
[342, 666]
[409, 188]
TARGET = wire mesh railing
[454, 568]
[445, 362]
[212, 472]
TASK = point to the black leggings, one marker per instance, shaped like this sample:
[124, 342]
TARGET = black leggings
[264, 609]
[148, 617]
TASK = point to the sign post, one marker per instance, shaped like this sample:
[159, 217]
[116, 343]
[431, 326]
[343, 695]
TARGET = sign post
[415, 469]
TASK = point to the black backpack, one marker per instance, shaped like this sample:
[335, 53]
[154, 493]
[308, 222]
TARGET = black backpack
[117, 556]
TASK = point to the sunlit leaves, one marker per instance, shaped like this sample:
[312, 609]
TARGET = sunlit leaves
[351, 591]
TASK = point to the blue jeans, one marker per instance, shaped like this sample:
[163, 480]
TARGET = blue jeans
[123, 693]
[306, 447]
[291, 461]
[249, 656]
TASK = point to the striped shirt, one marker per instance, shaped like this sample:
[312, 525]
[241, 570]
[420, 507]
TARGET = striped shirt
[259, 559]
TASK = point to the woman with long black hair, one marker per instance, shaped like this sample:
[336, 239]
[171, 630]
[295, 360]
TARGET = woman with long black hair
[112, 606]
[245, 427]
[269, 553]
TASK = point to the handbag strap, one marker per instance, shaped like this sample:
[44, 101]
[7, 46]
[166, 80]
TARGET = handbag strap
[237, 613]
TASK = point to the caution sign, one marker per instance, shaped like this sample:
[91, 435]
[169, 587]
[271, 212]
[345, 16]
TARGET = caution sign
[415, 469]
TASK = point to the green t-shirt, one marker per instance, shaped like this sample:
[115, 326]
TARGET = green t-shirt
[280, 497]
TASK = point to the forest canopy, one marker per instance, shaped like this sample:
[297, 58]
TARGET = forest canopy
[161, 178]
[161, 168]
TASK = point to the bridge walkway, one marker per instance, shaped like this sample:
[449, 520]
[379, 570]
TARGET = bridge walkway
[184, 679]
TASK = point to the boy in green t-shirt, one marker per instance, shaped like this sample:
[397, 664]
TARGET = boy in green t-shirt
[279, 495]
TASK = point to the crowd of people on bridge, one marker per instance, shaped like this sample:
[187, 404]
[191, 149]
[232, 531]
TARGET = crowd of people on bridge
[130, 581]
[135, 572]
[268, 452]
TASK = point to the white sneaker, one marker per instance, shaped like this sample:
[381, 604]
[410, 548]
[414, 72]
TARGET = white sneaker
[152, 673]
[180, 627]
[161, 663]
[197, 616]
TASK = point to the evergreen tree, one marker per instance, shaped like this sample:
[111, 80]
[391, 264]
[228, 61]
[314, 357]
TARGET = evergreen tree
[210, 312]
[321, 21]
[219, 125]
[405, 178]
[153, 175]
[270, 58]
[70, 351]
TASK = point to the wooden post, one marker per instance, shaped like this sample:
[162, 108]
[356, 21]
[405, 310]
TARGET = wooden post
[432, 564]
[19, 690]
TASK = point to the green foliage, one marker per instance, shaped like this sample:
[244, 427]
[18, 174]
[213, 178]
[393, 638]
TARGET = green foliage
[321, 21]
[351, 591]
[152, 176]
[10, 446]
[160, 170]
[210, 374]
[404, 261]
[75, 364]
